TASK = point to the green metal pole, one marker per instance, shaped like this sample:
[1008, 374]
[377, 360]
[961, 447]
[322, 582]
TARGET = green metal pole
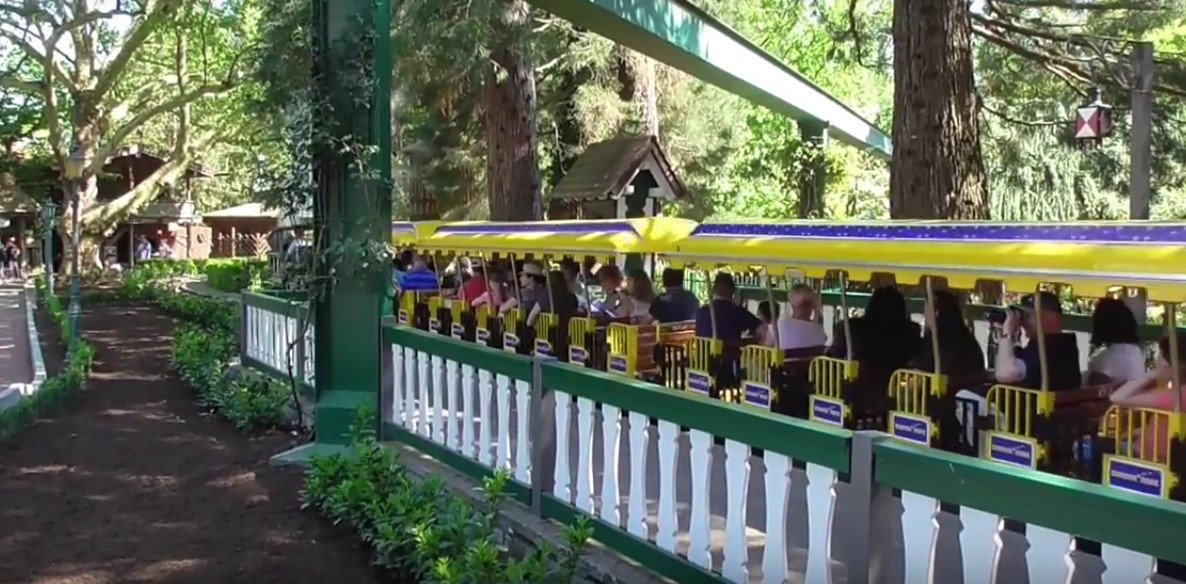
[353, 203]
[75, 309]
[48, 260]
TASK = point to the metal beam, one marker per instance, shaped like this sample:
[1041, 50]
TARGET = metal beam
[685, 37]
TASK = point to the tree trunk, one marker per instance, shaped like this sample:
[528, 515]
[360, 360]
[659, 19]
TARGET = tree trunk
[421, 204]
[512, 177]
[639, 86]
[937, 171]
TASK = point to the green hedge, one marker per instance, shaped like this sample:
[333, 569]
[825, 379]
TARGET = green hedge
[223, 274]
[236, 275]
[56, 390]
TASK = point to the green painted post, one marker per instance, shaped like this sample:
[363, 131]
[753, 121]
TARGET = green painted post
[813, 183]
[353, 204]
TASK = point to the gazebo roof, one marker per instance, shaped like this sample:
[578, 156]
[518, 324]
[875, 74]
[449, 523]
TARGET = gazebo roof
[607, 168]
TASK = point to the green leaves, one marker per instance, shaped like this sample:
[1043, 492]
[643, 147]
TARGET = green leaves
[421, 532]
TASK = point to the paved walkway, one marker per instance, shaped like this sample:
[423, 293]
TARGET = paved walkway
[15, 363]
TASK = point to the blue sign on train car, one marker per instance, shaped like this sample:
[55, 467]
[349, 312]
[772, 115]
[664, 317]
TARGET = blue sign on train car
[827, 410]
[577, 355]
[1136, 476]
[699, 382]
[911, 428]
[1012, 449]
[758, 395]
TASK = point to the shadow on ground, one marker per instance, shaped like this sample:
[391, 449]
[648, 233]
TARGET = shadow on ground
[133, 483]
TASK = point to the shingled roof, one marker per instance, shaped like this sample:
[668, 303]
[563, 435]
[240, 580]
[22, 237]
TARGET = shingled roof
[606, 169]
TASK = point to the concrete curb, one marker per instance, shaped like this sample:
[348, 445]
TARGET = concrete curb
[14, 393]
[35, 354]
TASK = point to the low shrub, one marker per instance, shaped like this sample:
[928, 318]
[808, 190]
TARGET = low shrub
[422, 532]
[206, 344]
[56, 390]
[202, 357]
[236, 275]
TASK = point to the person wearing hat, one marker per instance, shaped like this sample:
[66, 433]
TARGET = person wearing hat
[1021, 366]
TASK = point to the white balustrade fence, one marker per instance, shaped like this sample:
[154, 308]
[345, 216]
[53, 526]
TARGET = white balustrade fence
[277, 338]
[687, 476]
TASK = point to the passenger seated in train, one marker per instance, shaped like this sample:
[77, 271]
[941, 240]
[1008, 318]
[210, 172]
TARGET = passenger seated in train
[641, 292]
[420, 278]
[498, 290]
[473, 286]
[884, 339]
[532, 285]
[1115, 344]
[768, 314]
[551, 295]
[1154, 390]
[800, 328]
[616, 302]
[733, 321]
[571, 270]
[960, 354]
[676, 304]
[1021, 366]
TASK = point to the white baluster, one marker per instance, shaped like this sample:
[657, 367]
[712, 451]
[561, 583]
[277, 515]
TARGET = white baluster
[1047, 553]
[737, 484]
[918, 534]
[409, 421]
[453, 376]
[438, 394]
[585, 409]
[778, 486]
[424, 385]
[504, 422]
[666, 521]
[397, 384]
[980, 530]
[468, 413]
[486, 422]
[819, 510]
[611, 428]
[637, 507]
[699, 525]
[523, 431]
[561, 478]
[1123, 566]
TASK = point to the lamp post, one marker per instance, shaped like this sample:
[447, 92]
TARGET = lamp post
[75, 166]
[49, 219]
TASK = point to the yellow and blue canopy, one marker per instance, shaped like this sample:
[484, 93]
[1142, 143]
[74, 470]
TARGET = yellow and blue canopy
[1091, 256]
[576, 238]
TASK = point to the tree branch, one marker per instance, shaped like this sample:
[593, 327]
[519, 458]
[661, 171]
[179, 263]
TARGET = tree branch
[141, 31]
[148, 189]
[146, 115]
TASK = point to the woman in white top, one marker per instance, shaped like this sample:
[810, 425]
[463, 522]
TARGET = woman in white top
[1116, 350]
[640, 291]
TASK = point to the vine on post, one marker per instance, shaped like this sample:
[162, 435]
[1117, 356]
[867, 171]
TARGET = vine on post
[322, 151]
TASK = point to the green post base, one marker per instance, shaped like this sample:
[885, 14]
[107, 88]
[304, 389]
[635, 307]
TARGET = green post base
[337, 411]
[303, 455]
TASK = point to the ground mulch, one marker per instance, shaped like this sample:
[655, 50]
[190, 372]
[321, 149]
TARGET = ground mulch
[133, 482]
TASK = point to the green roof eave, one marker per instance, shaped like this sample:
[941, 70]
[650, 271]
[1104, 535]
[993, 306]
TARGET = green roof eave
[685, 37]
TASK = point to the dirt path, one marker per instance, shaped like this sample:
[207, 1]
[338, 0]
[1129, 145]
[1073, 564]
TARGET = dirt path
[132, 483]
